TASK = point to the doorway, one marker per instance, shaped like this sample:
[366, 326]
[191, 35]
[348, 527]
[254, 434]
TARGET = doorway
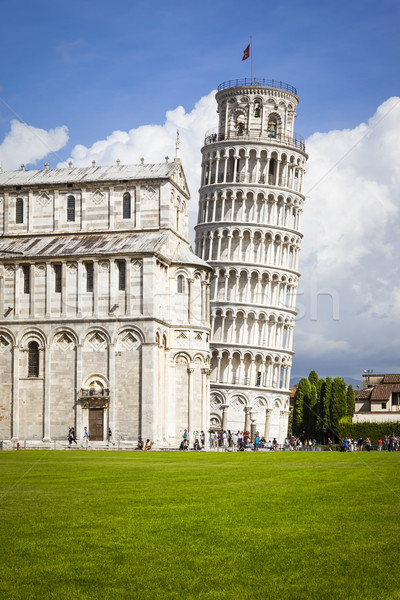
[96, 421]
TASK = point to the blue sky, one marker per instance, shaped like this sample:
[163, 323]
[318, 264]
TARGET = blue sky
[105, 80]
[100, 66]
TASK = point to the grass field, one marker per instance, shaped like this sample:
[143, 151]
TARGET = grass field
[309, 525]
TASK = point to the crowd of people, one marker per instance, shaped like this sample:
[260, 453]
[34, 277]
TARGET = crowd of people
[242, 440]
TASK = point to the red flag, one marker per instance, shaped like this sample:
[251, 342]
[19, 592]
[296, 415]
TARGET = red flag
[246, 53]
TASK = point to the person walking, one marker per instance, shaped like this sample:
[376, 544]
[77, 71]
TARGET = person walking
[110, 439]
[85, 441]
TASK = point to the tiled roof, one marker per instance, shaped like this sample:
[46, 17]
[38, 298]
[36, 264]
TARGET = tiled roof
[392, 378]
[88, 174]
[360, 394]
[85, 244]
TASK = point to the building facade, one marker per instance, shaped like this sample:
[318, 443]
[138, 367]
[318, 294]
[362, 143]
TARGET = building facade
[104, 307]
[379, 400]
[249, 220]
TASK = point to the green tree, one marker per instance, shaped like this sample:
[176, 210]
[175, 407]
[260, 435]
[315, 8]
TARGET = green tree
[310, 414]
[338, 408]
[301, 394]
[324, 422]
[351, 401]
[313, 378]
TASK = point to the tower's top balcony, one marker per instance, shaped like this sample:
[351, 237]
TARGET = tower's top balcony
[257, 82]
[297, 141]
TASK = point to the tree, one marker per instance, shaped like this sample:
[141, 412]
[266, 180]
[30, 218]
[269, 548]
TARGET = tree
[351, 401]
[310, 414]
[324, 421]
[338, 407]
[301, 394]
[313, 378]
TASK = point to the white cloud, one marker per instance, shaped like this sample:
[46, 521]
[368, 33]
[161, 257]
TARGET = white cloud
[26, 144]
[350, 247]
[155, 142]
[349, 305]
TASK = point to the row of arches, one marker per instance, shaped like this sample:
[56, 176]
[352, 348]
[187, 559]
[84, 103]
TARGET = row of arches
[251, 328]
[248, 245]
[278, 211]
[254, 287]
[242, 368]
[239, 165]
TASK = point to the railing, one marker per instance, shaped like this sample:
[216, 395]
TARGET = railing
[212, 136]
[256, 82]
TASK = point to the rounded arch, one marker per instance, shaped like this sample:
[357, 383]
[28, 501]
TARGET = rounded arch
[32, 334]
[96, 329]
[64, 330]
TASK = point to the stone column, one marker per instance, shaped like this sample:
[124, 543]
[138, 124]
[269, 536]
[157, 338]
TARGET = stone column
[148, 396]
[47, 393]
[95, 288]
[79, 289]
[111, 383]
[267, 423]
[78, 384]
[190, 399]
[247, 418]
[225, 408]
[15, 395]
[253, 429]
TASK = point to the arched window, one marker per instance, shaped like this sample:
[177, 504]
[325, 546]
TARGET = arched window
[33, 359]
[126, 206]
[19, 211]
[70, 208]
[180, 284]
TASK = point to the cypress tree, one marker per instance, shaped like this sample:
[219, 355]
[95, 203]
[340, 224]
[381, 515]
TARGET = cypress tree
[301, 394]
[324, 421]
[351, 401]
[310, 416]
[338, 403]
[313, 378]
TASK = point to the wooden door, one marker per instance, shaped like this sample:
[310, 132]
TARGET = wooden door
[96, 416]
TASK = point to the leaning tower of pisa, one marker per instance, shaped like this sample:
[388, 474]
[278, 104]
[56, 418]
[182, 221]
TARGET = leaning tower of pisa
[251, 201]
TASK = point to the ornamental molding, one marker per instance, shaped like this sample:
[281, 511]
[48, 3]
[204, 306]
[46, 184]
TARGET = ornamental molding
[72, 267]
[9, 270]
[97, 197]
[45, 198]
[150, 192]
[40, 269]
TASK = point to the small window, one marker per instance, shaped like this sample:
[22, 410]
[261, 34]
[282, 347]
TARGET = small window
[89, 277]
[383, 405]
[26, 272]
[33, 359]
[57, 279]
[180, 284]
[126, 206]
[395, 398]
[19, 211]
[70, 208]
[121, 275]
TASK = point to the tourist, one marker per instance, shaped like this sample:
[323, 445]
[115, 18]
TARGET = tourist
[85, 441]
[71, 436]
[202, 439]
[256, 442]
[185, 438]
[212, 439]
[275, 444]
[148, 445]
[235, 439]
[140, 444]
[110, 439]
[225, 440]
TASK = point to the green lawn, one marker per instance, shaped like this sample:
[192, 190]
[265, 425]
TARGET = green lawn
[289, 525]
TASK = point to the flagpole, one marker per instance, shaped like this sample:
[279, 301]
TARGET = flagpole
[251, 59]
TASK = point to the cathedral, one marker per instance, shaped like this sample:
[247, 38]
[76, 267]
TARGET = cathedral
[108, 319]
